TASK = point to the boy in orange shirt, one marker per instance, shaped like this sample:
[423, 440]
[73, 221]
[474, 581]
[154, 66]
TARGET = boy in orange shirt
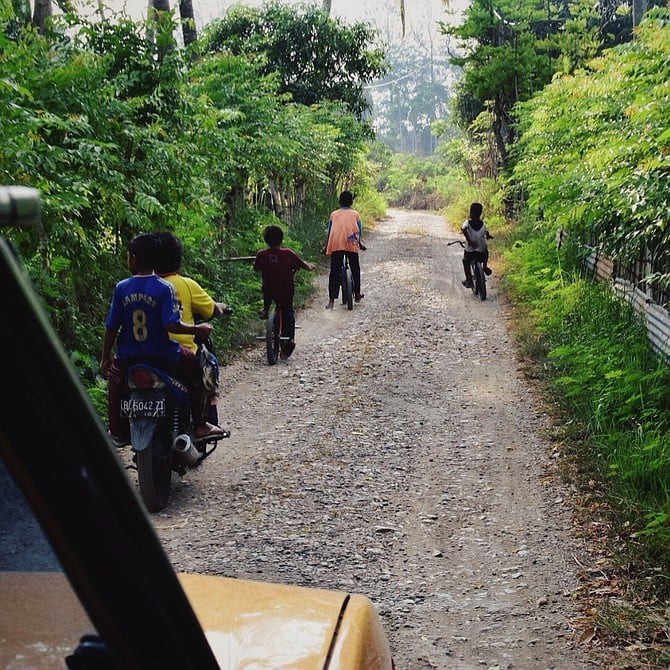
[344, 237]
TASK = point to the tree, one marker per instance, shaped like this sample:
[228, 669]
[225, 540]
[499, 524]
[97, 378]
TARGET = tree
[43, 9]
[593, 153]
[505, 56]
[327, 5]
[317, 58]
[415, 93]
[186, 13]
[189, 31]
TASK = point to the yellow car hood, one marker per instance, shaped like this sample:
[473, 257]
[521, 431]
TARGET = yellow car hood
[248, 624]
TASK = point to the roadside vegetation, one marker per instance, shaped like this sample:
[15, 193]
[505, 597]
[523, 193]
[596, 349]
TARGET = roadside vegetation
[609, 394]
[604, 186]
[579, 166]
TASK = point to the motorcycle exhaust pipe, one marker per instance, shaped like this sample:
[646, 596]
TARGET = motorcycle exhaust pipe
[186, 453]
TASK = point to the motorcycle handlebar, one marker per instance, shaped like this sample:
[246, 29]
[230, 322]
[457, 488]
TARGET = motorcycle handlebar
[19, 206]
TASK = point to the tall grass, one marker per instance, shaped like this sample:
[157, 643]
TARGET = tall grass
[459, 193]
[601, 372]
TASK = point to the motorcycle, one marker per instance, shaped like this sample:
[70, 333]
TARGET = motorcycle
[162, 429]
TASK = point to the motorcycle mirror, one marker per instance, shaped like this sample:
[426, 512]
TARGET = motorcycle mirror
[19, 206]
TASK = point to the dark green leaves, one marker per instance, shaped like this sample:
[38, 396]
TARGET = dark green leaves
[317, 58]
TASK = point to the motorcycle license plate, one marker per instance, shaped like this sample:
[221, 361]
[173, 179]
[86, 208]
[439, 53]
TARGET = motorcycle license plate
[143, 407]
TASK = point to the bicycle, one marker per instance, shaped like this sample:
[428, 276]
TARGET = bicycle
[347, 283]
[276, 343]
[476, 271]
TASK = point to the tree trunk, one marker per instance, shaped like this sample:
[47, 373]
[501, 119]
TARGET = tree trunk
[154, 8]
[277, 206]
[639, 8]
[501, 132]
[188, 28]
[43, 10]
[300, 197]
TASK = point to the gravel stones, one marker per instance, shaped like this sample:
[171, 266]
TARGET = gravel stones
[398, 454]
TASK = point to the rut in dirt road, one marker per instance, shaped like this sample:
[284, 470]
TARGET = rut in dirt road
[398, 454]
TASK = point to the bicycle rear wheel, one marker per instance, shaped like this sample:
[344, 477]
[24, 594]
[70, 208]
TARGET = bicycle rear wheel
[272, 337]
[479, 280]
[350, 289]
[344, 283]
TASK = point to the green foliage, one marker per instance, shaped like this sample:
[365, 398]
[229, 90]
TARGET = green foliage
[593, 155]
[97, 392]
[413, 181]
[371, 206]
[122, 133]
[440, 182]
[604, 376]
[414, 94]
[461, 193]
[592, 161]
[317, 58]
[507, 56]
[511, 50]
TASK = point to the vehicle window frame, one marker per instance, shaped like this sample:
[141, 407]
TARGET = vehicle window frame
[55, 446]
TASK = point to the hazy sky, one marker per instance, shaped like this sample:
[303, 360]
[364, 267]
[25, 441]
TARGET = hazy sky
[419, 13]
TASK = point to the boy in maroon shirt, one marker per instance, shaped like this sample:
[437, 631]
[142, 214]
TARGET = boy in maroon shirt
[278, 266]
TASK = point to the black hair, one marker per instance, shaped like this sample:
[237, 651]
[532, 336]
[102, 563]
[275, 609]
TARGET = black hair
[273, 235]
[169, 253]
[346, 199]
[145, 249]
[476, 210]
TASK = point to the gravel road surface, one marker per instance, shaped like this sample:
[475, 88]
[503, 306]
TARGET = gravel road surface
[397, 453]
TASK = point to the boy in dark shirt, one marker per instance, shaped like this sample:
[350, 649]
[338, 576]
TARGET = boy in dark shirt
[278, 266]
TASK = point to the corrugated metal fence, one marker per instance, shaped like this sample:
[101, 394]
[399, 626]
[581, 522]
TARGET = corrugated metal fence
[656, 317]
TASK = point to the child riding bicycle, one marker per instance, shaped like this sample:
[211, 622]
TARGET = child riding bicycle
[278, 266]
[476, 234]
[344, 238]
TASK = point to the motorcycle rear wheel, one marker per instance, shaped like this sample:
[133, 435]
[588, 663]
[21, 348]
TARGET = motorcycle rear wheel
[154, 473]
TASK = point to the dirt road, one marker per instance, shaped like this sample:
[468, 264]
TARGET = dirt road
[397, 453]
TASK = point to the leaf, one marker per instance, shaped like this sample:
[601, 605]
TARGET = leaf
[587, 635]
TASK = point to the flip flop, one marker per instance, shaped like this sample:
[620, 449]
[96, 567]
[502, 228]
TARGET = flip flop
[119, 442]
[213, 431]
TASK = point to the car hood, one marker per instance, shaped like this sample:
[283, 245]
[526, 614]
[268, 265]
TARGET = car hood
[247, 624]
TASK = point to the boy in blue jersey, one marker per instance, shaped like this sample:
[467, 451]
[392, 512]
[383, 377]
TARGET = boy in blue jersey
[142, 314]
